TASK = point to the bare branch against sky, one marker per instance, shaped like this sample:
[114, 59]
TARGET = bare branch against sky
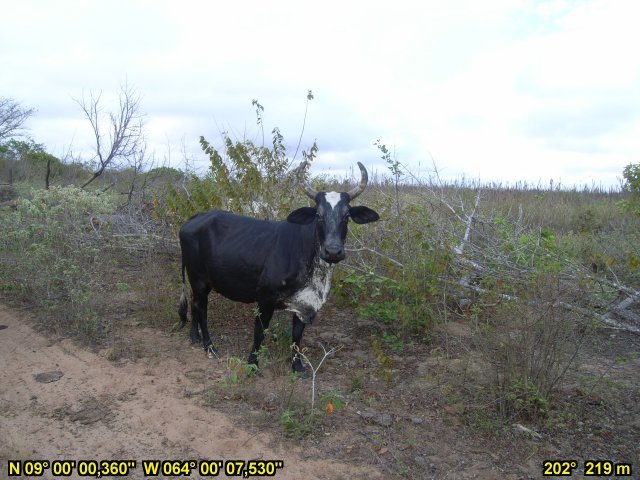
[125, 138]
[12, 117]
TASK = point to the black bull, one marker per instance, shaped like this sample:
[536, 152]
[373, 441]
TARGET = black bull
[280, 265]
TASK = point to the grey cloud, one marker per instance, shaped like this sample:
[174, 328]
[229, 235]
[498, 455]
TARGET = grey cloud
[577, 127]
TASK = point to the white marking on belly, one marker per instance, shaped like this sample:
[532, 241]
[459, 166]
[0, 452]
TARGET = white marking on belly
[309, 299]
[332, 198]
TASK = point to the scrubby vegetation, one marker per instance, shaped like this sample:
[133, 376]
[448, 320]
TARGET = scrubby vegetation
[54, 241]
[535, 274]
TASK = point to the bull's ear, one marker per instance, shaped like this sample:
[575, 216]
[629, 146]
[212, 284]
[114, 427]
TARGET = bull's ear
[362, 214]
[302, 216]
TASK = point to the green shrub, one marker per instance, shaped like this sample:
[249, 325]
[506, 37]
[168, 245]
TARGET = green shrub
[631, 175]
[408, 300]
[243, 178]
[297, 422]
[53, 249]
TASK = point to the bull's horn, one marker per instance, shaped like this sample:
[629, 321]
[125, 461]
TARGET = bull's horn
[308, 189]
[364, 179]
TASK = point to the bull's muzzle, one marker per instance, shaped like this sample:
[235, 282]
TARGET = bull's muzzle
[332, 253]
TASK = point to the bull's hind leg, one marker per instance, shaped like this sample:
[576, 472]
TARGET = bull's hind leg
[265, 312]
[183, 307]
[296, 334]
[199, 319]
[182, 312]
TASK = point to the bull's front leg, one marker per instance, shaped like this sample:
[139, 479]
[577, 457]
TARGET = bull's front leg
[296, 334]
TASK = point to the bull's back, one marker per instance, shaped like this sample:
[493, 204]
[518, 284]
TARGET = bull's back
[227, 252]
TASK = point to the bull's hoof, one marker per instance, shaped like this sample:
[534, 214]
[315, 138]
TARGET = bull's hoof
[212, 352]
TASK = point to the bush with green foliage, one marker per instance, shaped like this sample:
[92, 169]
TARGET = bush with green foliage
[25, 160]
[243, 178]
[396, 267]
[631, 175]
[405, 301]
[52, 247]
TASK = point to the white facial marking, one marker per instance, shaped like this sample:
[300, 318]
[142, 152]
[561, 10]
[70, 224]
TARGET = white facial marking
[332, 198]
[309, 299]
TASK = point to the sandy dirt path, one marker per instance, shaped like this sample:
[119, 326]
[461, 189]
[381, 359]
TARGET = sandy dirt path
[147, 409]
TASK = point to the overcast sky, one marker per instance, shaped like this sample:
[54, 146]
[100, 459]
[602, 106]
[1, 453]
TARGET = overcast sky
[498, 90]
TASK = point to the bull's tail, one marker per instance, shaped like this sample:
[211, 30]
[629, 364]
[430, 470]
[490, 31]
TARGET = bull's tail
[183, 305]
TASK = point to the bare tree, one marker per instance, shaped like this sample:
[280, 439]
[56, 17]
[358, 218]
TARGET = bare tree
[12, 117]
[124, 141]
